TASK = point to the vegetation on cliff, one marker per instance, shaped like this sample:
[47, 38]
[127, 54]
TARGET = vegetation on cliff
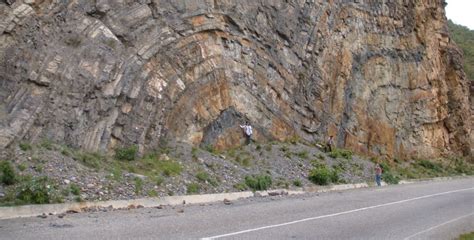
[464, 38]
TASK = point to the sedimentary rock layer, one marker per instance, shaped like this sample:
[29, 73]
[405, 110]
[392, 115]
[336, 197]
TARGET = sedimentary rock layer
[383, 77]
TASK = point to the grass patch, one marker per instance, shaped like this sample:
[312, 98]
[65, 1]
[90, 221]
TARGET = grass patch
[66, 151]
[240, 186]
[75, 190]
[152, 193]
[89, 159]
[283, 183]
[170, 168]
[194, 152]
[259, 182]
[7, 173]
[244, 160]
[193, 188]
[467, 236]
[32, 190]
[302, 154]
[22, 167]
[151, 165]
[297, 183]
[158, 180]
[341, 153]
[284, 148]
[25, 146]
[211, 149]
[432, 166]
[47, 144]
[138, 185]
[387, 175]
[116, 174]
[126, 153]
[202, 176]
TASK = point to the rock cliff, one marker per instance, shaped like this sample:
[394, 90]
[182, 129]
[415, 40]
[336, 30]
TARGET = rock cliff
[383, 77]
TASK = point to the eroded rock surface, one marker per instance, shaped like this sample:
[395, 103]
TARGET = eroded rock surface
[383, 77]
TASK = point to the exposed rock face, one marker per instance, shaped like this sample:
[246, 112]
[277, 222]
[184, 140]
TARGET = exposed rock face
[384, 78]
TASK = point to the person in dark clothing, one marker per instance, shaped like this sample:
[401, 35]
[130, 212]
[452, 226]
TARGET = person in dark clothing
[329, 144]
[378, 174]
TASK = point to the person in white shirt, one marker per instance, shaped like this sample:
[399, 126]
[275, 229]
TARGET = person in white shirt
[247, 131]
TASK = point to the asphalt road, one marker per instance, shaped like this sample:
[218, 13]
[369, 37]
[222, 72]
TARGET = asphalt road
[429, 210]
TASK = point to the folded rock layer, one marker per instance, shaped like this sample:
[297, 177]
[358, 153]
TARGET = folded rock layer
[383, 77]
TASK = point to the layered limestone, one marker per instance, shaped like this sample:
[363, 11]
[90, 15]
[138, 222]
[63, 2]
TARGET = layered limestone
[383, 77]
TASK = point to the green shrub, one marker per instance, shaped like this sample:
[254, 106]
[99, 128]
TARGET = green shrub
[303, 154]
[126, 154]
[390, 178]
[25, 146]
[320, 176]
[297, 183]
[385, 167]
[258, 183]
[213, 182]
[436, 167]
[462, 167]
[159, 180]
[46, 144]
[240, 186]
[170, 168]
[467, 236]
[317, 163]
[66, 151]
[37, 190]
[22, 167]
[210, 148]
[39, 167]
[76, 190]
[116, 173]
[341, 153]
[7, 173]
[232, 152]
[138, 185]
[193, 188]
[92, 160]
[152, 193]
[463, 37]
[202, 176]
[243, 160]
[335, 176]
[194, 152]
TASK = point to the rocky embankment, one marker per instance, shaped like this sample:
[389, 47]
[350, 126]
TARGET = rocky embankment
[174, 169]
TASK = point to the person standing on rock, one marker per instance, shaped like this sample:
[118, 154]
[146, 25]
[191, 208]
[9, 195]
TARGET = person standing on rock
[247, 131]
[378, 174]
[329, 144]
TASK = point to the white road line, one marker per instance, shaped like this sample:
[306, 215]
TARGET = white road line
[437, 226]
[334, 214]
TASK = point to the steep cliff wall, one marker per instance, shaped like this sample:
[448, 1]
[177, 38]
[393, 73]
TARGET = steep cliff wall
[382, 76]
